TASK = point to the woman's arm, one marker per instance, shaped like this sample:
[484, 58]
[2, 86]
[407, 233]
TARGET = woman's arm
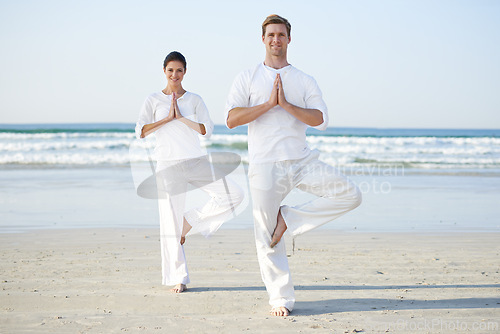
[148, 129]
[198, 127]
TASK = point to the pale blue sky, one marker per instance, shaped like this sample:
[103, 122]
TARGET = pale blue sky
[422, 64]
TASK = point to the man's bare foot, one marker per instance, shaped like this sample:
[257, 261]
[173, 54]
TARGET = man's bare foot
[179, 288]
[280, 311]
[185, 229]
[279, 230]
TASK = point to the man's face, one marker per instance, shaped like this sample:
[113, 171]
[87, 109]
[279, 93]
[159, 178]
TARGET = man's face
[276, 40]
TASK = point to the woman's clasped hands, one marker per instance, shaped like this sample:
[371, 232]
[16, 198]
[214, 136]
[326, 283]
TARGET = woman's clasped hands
[174, 109]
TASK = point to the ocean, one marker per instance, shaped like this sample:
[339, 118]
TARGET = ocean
[440, 150]
[412, 180]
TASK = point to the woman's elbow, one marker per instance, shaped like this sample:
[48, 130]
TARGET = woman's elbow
[206, 129]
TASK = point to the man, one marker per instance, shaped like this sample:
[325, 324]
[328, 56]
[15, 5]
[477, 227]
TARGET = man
[279, 102]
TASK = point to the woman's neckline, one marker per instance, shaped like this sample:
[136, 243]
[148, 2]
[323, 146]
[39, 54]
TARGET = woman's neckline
[185, 92]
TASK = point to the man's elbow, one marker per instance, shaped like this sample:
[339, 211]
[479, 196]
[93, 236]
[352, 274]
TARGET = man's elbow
[230, 122]
[230, 125]
[232, 119]
[317, 121]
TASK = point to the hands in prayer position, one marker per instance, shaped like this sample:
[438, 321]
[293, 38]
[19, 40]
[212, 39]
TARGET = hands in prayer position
[244, 115]
[174, 113]
[278, 94]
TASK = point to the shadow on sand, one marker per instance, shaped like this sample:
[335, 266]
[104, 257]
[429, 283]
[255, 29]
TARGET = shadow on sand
[318, 307]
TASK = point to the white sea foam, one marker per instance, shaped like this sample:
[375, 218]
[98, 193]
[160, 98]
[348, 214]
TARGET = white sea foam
[90, 148]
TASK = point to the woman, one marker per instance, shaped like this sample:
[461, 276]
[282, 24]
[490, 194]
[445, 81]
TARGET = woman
[178, 118]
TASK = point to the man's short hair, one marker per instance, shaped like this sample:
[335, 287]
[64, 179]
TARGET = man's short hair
[276, 19]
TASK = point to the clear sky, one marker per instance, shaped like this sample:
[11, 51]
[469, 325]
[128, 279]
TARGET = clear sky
[385, 63]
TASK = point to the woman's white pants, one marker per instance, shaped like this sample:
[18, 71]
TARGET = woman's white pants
[270, 183]
[174, 179]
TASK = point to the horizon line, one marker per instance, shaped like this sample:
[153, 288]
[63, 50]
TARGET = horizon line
[217, 124]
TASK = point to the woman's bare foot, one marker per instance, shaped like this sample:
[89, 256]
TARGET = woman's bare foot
[280, 311]
[279, 230]
[185, 229]
[179, 288]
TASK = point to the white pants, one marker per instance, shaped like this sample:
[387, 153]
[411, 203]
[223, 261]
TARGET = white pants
[270, 183]
[173, 181]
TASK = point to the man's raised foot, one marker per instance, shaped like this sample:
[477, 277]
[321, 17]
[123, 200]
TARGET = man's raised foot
[279, 230]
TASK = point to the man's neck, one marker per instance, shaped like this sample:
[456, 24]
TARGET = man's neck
[276, 62]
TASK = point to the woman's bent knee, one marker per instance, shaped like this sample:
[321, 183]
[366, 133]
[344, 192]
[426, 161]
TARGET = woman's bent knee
[357, 198]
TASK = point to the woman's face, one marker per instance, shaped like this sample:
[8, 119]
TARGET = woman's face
[174, 72]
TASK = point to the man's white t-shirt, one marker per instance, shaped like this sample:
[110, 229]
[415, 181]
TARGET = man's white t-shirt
[276, 135]
[175, 140]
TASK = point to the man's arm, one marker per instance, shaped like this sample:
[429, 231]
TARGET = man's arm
[311, 117]
[244, 115]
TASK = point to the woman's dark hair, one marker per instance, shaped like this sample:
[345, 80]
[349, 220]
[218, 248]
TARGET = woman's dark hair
[175, 55]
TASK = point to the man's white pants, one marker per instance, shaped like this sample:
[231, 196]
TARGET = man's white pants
[173, 178]
[270, 183]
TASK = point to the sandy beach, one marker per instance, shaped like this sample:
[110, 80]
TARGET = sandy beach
[80, 254]
[108, 281]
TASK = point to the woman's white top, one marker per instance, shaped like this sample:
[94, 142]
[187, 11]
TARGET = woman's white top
[175, 140]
